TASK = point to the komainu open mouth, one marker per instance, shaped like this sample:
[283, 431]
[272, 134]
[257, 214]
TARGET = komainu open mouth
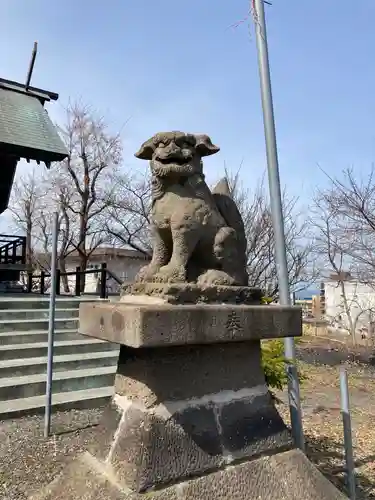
[173, 161]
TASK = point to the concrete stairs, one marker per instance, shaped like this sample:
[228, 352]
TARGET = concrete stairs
[83, 370]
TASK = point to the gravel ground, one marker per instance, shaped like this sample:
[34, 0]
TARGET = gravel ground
[28, 461]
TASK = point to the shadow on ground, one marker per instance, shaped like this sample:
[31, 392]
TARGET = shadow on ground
[334, 354]
[328, 456]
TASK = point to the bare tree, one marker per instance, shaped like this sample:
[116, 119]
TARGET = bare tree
[54, 201]
[128, 223]
[364, 315]
[345, 210]
[83, 181]
[256, 214]
[25, 206]
[329, 246]
[79, 189]
[352, 199]
[32, 206]
[332, 245]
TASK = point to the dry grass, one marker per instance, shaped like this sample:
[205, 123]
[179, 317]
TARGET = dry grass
[322, 420]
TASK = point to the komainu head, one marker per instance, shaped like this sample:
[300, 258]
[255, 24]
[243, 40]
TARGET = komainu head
[176, 153]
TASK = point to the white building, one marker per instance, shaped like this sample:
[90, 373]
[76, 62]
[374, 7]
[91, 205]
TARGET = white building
[121, 262]
[359, 297]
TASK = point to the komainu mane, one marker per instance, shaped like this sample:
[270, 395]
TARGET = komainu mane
[198, 235]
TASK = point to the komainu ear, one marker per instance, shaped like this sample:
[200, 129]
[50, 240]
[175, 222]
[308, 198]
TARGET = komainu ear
[204, 145]
[146, 150]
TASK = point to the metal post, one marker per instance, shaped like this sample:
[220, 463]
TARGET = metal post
[78, 281]
[42, 282]
[29, 282]
[14, 253]
[277, 214]
[103, 281]
[58, 281]
[51, 327]
[348, 443]
[23, 261]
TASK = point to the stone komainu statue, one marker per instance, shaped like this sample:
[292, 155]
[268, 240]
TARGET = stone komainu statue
[198, 235]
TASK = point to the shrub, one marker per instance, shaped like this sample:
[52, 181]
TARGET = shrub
[274, 364]
[273, 359]
[267, 300]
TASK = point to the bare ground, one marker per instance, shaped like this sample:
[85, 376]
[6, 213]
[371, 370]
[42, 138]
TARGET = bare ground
[28, 461]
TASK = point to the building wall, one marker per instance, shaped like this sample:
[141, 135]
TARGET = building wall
[361, 301]
[305, 304]
[125, 268]
[316, 306]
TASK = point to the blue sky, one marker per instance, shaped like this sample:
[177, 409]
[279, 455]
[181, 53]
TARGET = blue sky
[170, 64]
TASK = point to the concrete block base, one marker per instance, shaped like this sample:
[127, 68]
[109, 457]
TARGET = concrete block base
[285, 476]
[149, 324]
[170, 442]
[185, 411]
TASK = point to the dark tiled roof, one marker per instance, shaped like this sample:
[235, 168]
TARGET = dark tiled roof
[42, 95]
[101, 252]
[115, 253]
[26, 130]
[340, 276]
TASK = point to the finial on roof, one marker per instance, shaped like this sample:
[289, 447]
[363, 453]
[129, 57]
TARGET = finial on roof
[222, 187]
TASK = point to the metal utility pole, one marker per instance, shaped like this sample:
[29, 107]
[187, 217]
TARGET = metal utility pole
[277, 213]
[348, 440]
[51, 326]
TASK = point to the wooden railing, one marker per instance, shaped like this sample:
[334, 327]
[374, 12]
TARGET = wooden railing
[105, 273]
[12, 249]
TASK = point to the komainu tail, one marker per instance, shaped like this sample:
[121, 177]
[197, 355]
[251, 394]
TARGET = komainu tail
[230, 213]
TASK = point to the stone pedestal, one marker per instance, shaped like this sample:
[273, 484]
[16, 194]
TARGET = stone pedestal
[192, 417]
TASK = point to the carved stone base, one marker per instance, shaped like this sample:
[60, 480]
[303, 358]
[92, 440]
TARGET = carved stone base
[189, 293]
